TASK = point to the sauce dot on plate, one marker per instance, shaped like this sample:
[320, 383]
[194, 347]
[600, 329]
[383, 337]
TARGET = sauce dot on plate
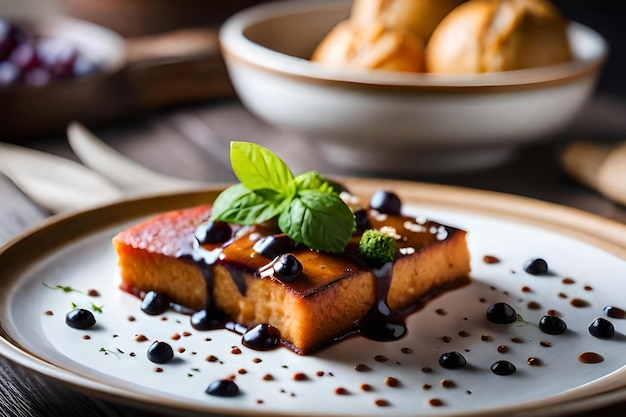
[615, 312]
[590, 357]
[490, 259]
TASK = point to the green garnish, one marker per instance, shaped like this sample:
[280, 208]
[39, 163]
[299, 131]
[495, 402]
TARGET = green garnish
[308, 209]
[68, 289]
[115, 352]
[377, 246]
[62, 288]
[519, 321]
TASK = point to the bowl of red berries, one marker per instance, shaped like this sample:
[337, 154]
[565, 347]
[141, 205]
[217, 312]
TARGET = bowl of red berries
[54, 70]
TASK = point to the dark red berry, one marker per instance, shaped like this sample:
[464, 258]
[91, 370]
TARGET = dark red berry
[58, 56]
[24, 56]
[37, 77]
[9, 38]
[37, 60]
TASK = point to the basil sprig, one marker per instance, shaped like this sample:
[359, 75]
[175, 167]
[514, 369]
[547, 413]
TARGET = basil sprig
[309, 210]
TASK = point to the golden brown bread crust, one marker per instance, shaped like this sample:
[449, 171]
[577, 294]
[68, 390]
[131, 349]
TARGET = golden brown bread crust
[417, 16]
[147, 257]
[371, 46]
[434, 268]
[325, 303]
[498, 35]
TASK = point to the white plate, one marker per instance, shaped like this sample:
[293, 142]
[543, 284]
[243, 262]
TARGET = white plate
[76, 251]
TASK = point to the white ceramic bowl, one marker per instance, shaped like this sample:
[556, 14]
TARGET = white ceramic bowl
[381, 121]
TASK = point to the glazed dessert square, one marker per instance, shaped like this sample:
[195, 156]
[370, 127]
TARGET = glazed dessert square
[334, 296]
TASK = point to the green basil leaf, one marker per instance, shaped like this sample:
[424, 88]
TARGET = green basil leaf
[237, 204]
[312, 180]
[272, 196]
[319, 220]
[258, 168]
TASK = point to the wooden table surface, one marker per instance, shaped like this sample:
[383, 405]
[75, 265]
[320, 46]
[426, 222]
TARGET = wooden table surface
[193, 142]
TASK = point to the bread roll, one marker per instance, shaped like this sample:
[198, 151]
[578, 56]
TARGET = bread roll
[498, 35]
[417, 16]
[371, 46]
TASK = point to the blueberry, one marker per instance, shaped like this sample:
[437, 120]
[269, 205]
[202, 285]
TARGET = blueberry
[338, 187]
[360, 216]
[223, 388]
[160, 352]
[386, 202]
[287, 267]
[537, 266]
[273, 245]
[501, 313]
[452, 360]
[261, 337]
[155, 303]
[80, 318]
[503, 368]
[602, 328]
[207, 319]
[213, 232]
[552, 325]
[615, 312]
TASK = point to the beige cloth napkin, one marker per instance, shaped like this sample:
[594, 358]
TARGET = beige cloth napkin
[600, 167]
[60, 184]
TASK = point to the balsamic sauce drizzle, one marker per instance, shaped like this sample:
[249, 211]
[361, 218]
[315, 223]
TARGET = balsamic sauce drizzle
[380, 323]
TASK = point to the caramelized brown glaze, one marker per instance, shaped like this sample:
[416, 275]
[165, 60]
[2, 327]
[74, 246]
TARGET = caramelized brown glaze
[334, 296]
[321, 269]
